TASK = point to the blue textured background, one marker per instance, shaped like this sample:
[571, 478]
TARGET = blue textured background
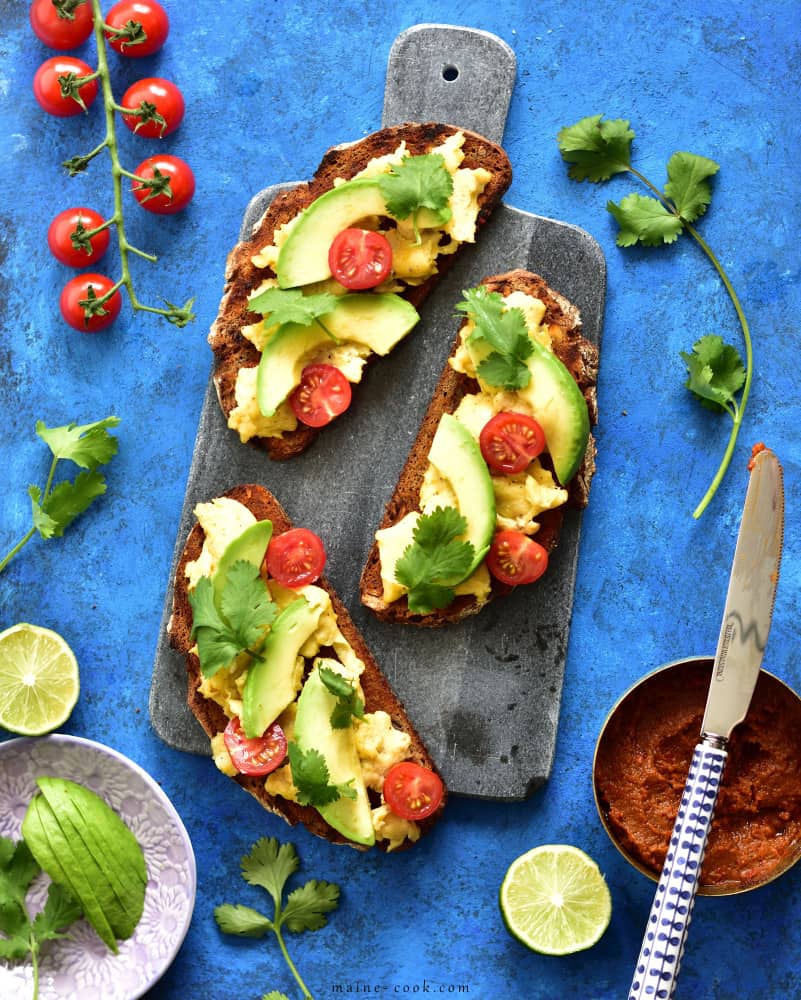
[268, 89]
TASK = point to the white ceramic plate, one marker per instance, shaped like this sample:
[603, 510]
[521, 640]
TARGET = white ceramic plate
[81, 967]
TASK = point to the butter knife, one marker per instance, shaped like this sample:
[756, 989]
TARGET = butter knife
[741, 645]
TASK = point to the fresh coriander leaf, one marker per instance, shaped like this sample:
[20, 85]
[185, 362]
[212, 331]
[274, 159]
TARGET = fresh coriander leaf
[596, 148]
[349, 704]
[644, 220]
[87, 445]
[435, 561]
[312, 779]
[290, 305]
[60, 910]
[306, 907]
[68, 500]
[269, 865]
[715, 373]
[242, 920]
[417, 182]
[688, 183]
[504, 330]
[247, 604]
[17, 870]
[42, 521]
[216, 643]
[16, 947]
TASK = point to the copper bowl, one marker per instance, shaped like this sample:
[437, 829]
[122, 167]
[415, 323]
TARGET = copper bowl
[641, 763]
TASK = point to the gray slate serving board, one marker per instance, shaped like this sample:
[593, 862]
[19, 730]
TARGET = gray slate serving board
[485, 693]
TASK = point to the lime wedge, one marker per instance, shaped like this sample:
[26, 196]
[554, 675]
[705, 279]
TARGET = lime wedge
[39, 681]
[555, 900]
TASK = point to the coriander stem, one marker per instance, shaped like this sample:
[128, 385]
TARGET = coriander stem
[749, 371]
[10, 555]
[288, 960]
[34, 949]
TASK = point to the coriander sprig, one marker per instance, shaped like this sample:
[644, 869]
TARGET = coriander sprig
[70, 84]
[269, 866]
[55, 507]
[597, 149]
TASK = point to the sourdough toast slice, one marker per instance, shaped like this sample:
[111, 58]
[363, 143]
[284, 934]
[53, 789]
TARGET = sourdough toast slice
[378, 695]
[580, 357]
[232, 350]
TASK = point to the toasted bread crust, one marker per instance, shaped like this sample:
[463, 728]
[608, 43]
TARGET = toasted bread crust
[579, 356]
[378, 695]
[231, 350]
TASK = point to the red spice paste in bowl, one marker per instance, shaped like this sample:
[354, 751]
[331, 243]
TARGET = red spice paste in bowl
[641, 764]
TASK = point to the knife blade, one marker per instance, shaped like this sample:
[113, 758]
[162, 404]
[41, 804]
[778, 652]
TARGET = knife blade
[749, 601]
[741, 646]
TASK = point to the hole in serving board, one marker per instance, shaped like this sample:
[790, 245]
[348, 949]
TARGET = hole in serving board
[450, 72]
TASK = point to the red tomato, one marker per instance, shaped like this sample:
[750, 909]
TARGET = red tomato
[323, 394]
[156, 97]
[154, 26]
[295, 558]
[509, 441]
[176, 184]
[47, 88]
[76, 301]
[515, 558]
[412, 791]
[360, 258]
[57, 32]
[77, 222]
[259, 755]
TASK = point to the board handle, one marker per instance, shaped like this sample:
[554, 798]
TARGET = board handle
[444, 73]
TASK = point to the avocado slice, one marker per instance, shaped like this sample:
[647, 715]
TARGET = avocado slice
[250, 547]
[303, 257]
[377, 321]
[273, 680]
[313, 731]
[559, 406]
[456, 456]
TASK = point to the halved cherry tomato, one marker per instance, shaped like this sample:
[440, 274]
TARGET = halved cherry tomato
[515, 558]
[61, 32]
[78, 252]
[295, 558]
[360, 258]
[259, 755]
[154, 26]
[174, 188]
[47, 88]
[509, 441]
[76, 301]
[412, 791]
[323, 394]
[162, 102]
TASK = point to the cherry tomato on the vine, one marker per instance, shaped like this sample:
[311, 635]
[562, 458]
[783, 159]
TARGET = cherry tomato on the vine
[510, 441]
[323, 394]
[68, 241]
[259, 755]
[154, 26]
[515, 558]
[174, 188]
[295, 558]
[162, 103]
[360, 258]
[47, 88]
[61, 33]
[78, 296]
[412, 791]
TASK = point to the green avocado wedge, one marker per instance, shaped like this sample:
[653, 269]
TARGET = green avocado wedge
[273, 679]
[303, 257]
[373, 320]
[456, 456]
[313, 731]
[558, 405]
[250, 547]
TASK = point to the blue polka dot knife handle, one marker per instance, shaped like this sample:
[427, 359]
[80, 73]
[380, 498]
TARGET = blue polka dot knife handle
[666, 932]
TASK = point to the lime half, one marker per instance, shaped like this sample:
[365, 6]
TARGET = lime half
[555, 900]
[39, 681]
